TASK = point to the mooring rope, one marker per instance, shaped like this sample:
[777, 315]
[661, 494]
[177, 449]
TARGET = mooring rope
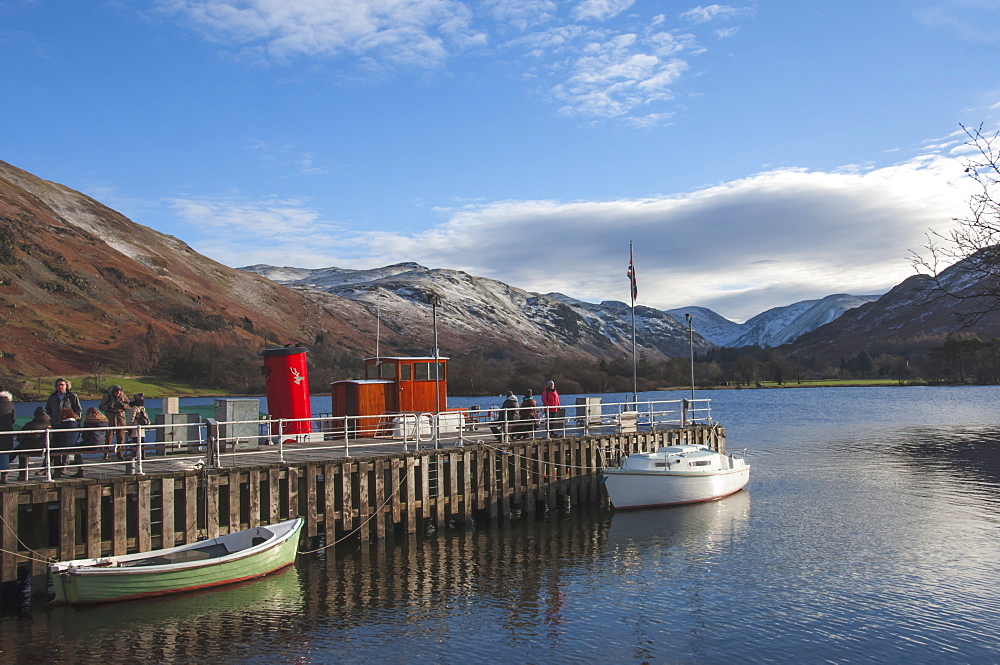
[376, 513]
[36, 556]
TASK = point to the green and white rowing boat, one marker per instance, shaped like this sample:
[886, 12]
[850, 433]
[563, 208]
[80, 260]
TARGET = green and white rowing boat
[228, 559]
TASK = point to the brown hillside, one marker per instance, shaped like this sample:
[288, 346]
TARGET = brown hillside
[81, 284]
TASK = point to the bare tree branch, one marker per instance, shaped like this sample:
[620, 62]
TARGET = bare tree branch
[965, 263]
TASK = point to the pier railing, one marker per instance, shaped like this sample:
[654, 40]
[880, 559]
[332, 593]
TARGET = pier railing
[211, 443]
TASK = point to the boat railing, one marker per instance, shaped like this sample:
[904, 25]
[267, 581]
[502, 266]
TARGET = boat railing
[212, 443]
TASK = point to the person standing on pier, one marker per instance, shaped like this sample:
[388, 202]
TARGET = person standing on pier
[113, 405]
[7, 418]
[64, 443]
[507, 415]
[528, 417]
[550, 399]
[62, 398]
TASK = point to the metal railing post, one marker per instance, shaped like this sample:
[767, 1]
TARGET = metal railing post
[212, 442]
[281, 441]
[138, 450]
[47, 454]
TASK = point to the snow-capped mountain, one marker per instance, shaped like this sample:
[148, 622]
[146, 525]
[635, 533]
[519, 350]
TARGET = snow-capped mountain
[474, 310]
[776, 326]
[715, 328]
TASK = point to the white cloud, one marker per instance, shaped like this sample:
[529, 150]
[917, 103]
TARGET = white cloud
[398, 32]
[969, 20]
[596, 59]
[616, 77]
[599, 10]
[738, 247]
[708, 13]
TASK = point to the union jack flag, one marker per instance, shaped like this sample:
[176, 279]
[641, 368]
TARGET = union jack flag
[631, 272]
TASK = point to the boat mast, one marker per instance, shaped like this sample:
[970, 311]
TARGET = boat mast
[691, 350]
[634, 293]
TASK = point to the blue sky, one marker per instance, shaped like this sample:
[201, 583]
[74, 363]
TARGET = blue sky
[757, 153]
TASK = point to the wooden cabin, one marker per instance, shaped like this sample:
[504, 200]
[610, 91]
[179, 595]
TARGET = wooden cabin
[392, 386]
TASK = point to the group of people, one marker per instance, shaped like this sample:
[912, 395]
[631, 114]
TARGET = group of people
[519, 421]
[64, 416]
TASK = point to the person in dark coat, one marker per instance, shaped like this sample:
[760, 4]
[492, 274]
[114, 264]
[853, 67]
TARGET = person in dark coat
[506, 417]
[31, 438]
[91, 441]
[7, 418]
[114, 404]
[65, 440]
[62, 398]
[527, 418]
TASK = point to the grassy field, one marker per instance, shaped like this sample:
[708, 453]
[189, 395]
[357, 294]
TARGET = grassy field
[148, 386]
[830, 383]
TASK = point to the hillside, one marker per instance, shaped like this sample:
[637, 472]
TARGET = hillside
[82, 286]
[478, 313]
[912, 316]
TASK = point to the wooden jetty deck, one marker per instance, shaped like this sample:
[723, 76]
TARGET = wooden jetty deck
[376, 492]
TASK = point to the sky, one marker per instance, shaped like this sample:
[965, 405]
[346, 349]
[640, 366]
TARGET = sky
[755, 153]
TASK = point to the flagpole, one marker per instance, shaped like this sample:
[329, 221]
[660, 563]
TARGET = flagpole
[632, 292]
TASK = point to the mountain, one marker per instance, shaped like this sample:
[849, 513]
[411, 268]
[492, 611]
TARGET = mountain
[776, 326]
[477, 313]
[715, 328]
[913, 315]
[82, 288]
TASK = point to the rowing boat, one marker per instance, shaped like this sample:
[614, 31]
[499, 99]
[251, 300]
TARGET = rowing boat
[227, 559]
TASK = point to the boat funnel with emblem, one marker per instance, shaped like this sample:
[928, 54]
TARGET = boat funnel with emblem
[286, 383]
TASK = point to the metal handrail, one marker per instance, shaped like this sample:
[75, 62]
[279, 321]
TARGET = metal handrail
[338, 434]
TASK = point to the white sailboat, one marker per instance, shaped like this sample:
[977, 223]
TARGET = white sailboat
[675, 475]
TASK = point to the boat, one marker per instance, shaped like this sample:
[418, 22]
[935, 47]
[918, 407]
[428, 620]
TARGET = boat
[674, 475]
[227, 559]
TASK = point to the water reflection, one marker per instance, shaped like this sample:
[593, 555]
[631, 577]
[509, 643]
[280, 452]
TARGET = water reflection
[172, 628]
[697, 526]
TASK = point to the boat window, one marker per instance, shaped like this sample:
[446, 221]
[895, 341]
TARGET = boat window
[381, 371]
[661, 464]
[701, 462]
[425, 371]
[404, 372]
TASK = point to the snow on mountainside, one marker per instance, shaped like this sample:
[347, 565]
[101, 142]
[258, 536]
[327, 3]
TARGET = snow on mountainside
[781, 325]
[478, 305]
[473, 308]
[715, 328]
[776, 326]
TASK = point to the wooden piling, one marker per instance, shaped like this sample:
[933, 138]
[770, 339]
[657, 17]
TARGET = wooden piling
[370, 498]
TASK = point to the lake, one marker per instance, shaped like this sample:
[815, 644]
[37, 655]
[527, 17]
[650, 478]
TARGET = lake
[869, 532]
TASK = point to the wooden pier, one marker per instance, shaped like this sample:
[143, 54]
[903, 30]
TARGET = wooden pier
[369, 497]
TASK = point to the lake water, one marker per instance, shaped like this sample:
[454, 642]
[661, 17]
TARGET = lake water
[869, 532]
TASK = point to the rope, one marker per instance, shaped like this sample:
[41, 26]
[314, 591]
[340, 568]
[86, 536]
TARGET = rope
[36, 556]
[378, 510]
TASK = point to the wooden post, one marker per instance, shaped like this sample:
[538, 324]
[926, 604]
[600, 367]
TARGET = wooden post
[93, 521]
[167, 537]
[144, 531]
[119, 516]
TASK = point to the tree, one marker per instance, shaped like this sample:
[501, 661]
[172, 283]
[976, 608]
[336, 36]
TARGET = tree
[976, 239]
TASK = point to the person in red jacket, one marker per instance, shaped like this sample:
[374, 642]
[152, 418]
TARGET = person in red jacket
[550, 400]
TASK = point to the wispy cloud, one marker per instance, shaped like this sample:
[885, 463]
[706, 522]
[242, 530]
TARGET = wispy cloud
[627, 72]
[704, 14]
[970, 20]
[290, 157]
[737, 247]
[396, 32]
[600, 10]
[597, 59]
